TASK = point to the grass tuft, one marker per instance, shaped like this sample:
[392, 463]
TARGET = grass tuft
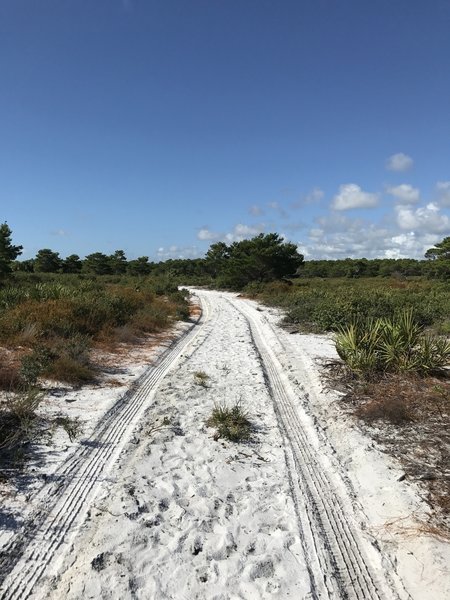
[201, 378]
[231, 423]
[21, 425]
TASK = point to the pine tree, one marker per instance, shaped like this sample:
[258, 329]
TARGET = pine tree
[8, 252]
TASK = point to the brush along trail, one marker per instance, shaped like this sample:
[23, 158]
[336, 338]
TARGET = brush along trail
[154, 505]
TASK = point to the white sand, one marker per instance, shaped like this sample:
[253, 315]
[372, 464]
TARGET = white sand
[303, 511]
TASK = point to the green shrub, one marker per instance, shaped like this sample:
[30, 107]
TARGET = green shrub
[396, 345]
[33, 365]
[62, 316]
[328, 305]
[151, 319]
[69, 370]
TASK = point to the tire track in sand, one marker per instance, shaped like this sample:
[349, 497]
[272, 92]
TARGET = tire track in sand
[63, 505]
[339, 565]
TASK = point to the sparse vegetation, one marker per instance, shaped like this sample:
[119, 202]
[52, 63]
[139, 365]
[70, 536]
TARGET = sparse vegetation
[231, 422]
[201, 378]
[410, 417]
[20, 425]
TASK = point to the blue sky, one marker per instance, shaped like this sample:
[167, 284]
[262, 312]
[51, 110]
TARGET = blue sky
[159, 127]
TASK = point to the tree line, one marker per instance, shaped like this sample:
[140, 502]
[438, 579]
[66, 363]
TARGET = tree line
[266, 257]
[97, 263]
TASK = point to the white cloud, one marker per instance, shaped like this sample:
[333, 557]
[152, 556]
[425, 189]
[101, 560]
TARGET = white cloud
[399, 162]
[205, 234]
[404, 193]
[238, 233]
[371, 241]
[403, 245]
[255, 210]
[352, 196]
[242, 232]
[443, 190]
[60, 233]
[337, 235]
[302, 249]
[173, 251]
[426, 219]
[316, 233]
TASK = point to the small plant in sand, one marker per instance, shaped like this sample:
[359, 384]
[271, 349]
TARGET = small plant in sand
[231, 422]
[72, 427]
[18, 420]
[201, 378]
[21, 425]
[158, 425]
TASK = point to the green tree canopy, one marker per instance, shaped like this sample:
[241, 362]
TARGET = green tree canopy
[97, 263]
[217, 257]
[25, 266]
[139, 266]
[8, 252]
[47, 261]
[72, 264]
[440, 251]
[118, 262]
[265, 257]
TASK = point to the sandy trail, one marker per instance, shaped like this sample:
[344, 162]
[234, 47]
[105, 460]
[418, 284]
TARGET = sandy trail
[148, 511]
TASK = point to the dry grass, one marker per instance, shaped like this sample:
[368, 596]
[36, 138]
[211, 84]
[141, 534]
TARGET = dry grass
[21, 425]
[124, 335]
[394, 410]
[390, 400]
[410, 419]
[195, 310]
[17, 418]
[69, 370]
[9, 378]
[412, 526]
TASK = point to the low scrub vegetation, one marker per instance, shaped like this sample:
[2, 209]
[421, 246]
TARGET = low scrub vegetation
[49, 325]
[373, 347]
[399, 384]
[329, 305]
[55, 323]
